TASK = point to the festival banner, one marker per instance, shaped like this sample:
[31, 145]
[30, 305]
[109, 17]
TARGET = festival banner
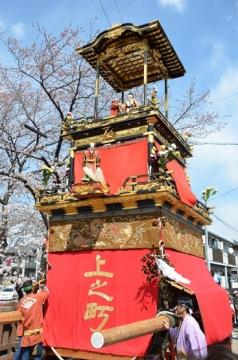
[95, 290]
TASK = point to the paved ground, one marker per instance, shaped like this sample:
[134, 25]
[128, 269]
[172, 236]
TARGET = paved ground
[235, 341]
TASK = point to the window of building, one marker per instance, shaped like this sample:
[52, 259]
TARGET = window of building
[226, 247]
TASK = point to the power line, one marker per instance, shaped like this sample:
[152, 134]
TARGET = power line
[212, 143]
[116, 4]
[105, 12]
[224, 194]
[223, 222]
[224, 98]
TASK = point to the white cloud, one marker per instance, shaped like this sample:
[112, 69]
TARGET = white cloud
[18, 29]
[218, 59]
[179, 5]
[2, 24]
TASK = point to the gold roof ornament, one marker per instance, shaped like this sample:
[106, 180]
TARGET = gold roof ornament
[120, 52]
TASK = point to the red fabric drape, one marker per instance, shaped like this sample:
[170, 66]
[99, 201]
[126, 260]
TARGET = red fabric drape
[212, 299]
[181, 182]
[110, 279]
[117, 162]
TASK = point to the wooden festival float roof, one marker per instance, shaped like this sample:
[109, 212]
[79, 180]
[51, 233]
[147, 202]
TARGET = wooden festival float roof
[118, 55]
[120, 51]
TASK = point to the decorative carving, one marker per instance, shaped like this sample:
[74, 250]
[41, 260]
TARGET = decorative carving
[124, 232]
[179, 236]
[104, 233]
[159, 197]
[89, 189]
[113, 34]
[108, 134]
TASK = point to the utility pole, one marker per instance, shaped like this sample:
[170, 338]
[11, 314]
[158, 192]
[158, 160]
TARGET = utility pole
[207, 249]
[206, 194]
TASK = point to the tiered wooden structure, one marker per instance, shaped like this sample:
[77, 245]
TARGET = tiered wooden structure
[125, 56]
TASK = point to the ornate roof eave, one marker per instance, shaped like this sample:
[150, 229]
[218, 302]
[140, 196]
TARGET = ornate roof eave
[82, 131]
[69, 204]
[120, 51]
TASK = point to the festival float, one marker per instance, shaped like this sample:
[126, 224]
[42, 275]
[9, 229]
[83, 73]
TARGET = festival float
[125, 238]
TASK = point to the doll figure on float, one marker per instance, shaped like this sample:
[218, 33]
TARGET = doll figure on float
[91, 167]
[131, 102]
[69, 117]
[115, 107]
[154, 101]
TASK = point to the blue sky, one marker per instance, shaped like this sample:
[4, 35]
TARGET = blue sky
[205, 36]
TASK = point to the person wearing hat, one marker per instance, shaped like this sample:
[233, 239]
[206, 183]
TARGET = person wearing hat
[189, 339]
[31, 328]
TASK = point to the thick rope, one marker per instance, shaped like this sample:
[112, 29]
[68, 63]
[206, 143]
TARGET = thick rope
[56, 354]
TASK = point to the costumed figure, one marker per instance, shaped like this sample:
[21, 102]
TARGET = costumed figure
[131, 103]
[154, 101]
[30, 330]
[91, 166]
[115, 107]
[69, 117]
[47, 172]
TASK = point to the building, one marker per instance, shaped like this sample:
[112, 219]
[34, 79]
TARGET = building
[19, 262]
[223, 260]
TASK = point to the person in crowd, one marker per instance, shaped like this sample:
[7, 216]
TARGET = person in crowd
[188, 337]
[222, 354]
[235, 301]
[31, 328]
[231, 302]
[19, 291]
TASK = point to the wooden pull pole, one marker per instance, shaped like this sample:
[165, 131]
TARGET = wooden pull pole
[10, 317]
[130, 331]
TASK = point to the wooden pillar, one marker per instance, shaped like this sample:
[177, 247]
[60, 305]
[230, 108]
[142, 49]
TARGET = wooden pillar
[131, 331]
[166, 110]
[122, 96]
[97, 88]
[71, 169]
[150, 144]
[145, 72]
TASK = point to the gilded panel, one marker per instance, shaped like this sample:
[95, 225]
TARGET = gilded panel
[182, 237]
[104, 233]
[125, 232]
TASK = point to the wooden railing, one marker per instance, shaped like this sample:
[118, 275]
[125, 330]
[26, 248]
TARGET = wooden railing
[8, 333]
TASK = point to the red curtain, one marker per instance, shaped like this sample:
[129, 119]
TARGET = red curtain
[181, 182]
[212, 299]
[93, 290]
[117, 162]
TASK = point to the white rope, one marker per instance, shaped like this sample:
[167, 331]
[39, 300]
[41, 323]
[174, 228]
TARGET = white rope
[55, 352]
